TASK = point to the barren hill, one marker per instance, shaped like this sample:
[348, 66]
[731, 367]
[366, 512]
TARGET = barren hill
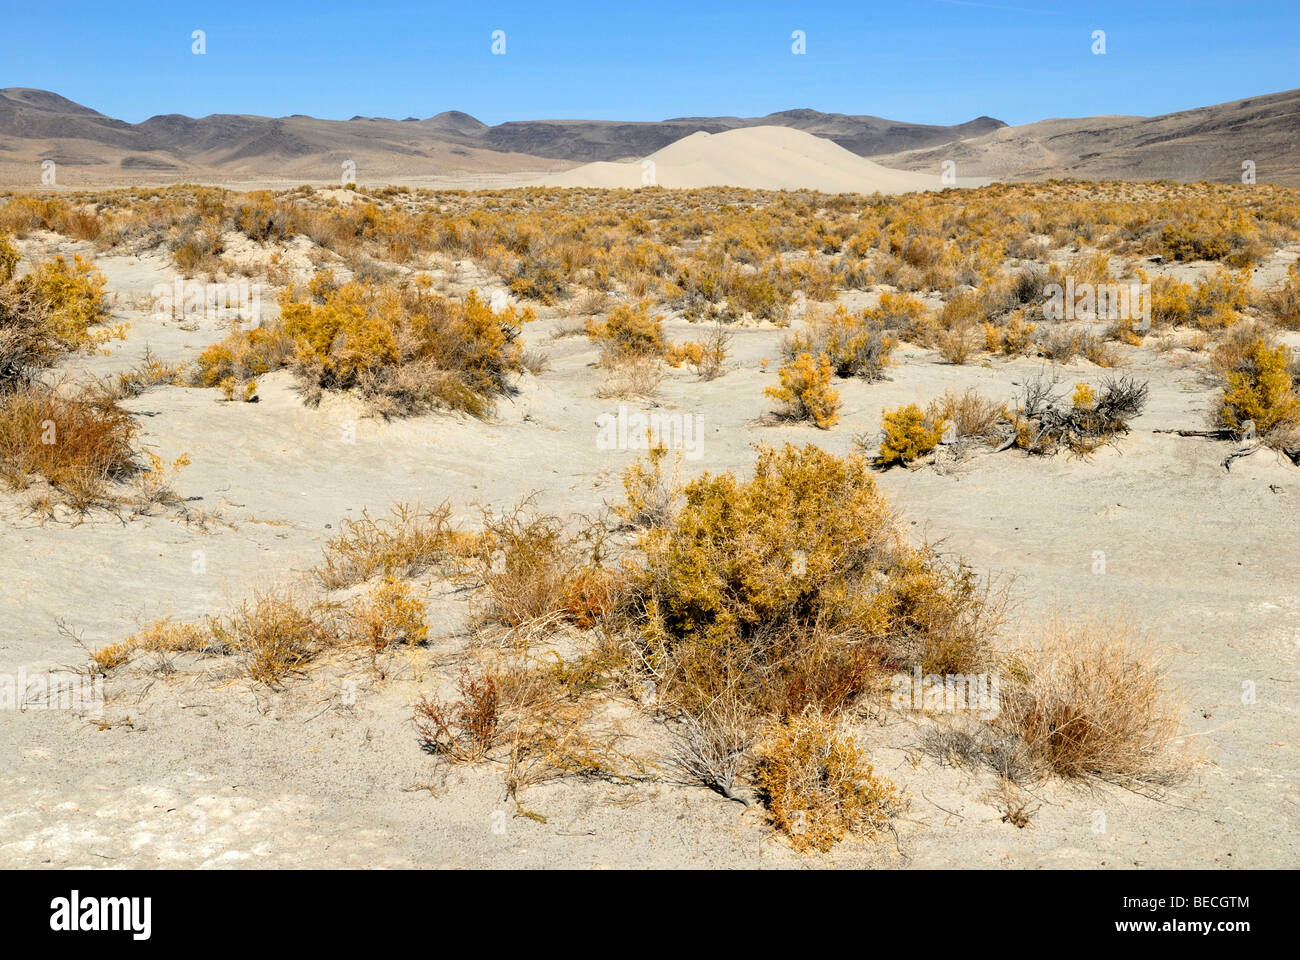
[455, 149]
[1208, 143]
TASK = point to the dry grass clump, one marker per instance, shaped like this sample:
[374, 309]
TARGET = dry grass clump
[536, 573]
[966, 416]
[281, 630]
[805, 392]
[1092, 700]
[404, 544]
[79, 443]
[392, 615]
[272, 636]
[706, 357]
[149, 372]
[817, 785]
[651, 488]
[161, 636]
[628, 375]
[530, 716]
[276, 633]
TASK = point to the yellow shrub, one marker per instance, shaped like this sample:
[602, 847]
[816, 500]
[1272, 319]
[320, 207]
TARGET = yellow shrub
[393, 614]
[242, 355]
[805, 392]
[908, 435]
[1261, 392]
[904, 313]
[8, 259]
[73, 295]
[1171, 300]
[792, 586]
[630, 330]
[404, 346]
[817, 786]
[1219, 298]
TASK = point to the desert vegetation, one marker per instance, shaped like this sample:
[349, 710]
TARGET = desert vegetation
[733, 629]
[1043, 421]
[755, 618]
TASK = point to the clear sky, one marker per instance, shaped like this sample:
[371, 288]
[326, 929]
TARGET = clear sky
[928, 61]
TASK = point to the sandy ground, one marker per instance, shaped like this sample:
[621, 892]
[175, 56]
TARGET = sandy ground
[192, 766]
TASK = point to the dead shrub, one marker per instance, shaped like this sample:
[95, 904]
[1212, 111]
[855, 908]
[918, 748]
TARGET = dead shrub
[531, 717]
[625, 375]
[528, 562]
[1091, 699]
[713, 748]
[1043, 423]
[466, 729]
[78, 442]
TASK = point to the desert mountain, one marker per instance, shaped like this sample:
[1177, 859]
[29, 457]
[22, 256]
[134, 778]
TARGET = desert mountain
[588, 140]
[455, 149]
[1208, 143]
[36, 125]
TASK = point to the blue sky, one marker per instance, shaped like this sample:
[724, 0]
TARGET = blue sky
[929, 61]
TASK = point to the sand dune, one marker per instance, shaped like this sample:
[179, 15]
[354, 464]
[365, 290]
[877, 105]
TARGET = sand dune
[759, 158]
